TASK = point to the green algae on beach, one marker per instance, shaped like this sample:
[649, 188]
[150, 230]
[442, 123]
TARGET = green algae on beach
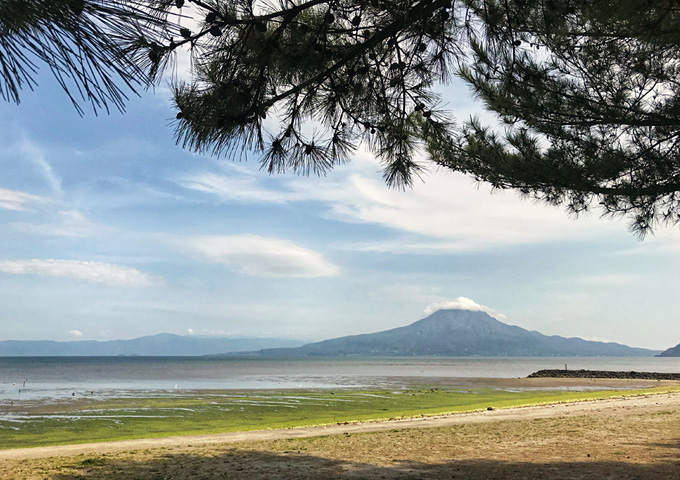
[203, 412]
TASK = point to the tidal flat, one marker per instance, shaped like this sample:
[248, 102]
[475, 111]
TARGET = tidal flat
[624, 437]
[86, 420]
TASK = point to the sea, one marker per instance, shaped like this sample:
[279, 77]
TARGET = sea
[44, 378]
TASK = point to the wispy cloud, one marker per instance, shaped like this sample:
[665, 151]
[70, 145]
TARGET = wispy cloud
[18, 201]
[69, 223]
[262, 257]
[664, 240]
[33, 153]
[608, 279]
[462, 303]
[237, 188]
[75, 333]
[95, 272]
[444, 213]
[455, 216]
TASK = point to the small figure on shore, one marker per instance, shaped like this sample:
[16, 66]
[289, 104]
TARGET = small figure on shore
[565, 367]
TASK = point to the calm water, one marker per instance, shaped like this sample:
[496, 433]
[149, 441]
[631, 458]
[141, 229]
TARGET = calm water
[23, 378]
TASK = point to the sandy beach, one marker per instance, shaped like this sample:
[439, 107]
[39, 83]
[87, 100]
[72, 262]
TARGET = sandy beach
[630, 437]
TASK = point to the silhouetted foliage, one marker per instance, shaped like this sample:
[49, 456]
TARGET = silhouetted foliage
[590, 93]
[331, 74]
[587, 90]
[92, 47]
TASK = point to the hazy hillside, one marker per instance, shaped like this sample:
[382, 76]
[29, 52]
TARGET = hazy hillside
[459, 333]
[164, 344]
[671, 352]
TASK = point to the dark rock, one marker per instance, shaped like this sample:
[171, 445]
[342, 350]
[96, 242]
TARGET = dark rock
[604, 374]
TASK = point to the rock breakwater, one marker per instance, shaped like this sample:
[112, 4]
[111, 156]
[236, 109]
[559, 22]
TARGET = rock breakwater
[604, 374]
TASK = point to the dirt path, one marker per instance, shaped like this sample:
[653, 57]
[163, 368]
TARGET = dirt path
[607, 407]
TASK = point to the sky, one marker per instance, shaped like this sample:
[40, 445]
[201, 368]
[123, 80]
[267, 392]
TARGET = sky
[112, 231]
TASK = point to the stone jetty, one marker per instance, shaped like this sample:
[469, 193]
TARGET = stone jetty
[604, 374]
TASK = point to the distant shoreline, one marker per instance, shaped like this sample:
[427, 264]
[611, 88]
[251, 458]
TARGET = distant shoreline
[604, 374]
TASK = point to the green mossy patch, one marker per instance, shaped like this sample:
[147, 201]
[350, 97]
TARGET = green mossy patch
[214, 412]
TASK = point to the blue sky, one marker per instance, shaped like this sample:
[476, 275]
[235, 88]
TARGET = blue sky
[110, 230]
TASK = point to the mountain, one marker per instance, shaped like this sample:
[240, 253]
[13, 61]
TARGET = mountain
[163, 344]
[671, 352]
[458, 333]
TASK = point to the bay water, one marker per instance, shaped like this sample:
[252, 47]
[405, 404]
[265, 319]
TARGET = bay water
[44, 378]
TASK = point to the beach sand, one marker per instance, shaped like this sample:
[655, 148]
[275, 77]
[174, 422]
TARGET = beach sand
[631, 438]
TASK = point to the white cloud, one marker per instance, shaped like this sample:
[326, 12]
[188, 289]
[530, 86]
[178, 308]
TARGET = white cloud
[69, 223]
[456, 216]
[208, 332]
[96, 272]
[596, 339]
[262, 257]
[447, 212]
[75, 333]
[462, 303]
[18, 201]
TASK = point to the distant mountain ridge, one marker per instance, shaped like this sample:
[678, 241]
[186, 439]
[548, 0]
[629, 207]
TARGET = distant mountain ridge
[163, 344]
[671, 352]
[458, 333]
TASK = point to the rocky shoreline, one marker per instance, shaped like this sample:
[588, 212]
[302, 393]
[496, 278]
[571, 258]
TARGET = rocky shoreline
[604, 374]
